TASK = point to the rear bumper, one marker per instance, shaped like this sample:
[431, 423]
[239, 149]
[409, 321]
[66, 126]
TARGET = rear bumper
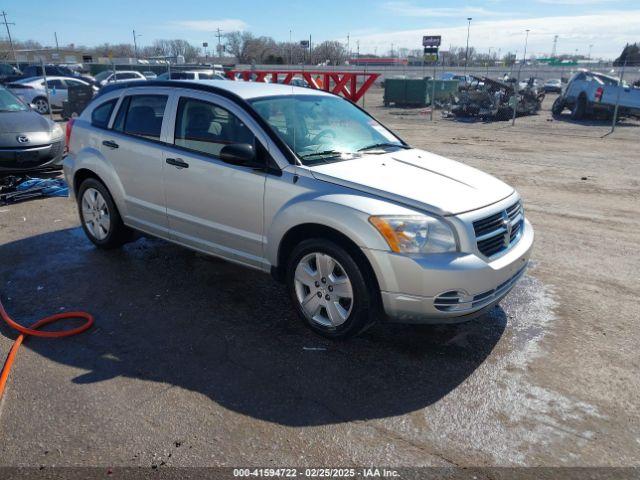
[447, 288]
[42, 157]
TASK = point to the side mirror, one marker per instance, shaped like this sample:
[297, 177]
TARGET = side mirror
[240, 154]
[32, 106]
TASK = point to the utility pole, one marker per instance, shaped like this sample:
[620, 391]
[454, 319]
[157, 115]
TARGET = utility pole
[555, 46]
[290, 48]
[620, 86]
[516, 87]
[466, 54]
[135, 43]
[358, 52]
[219, 35]
[55, 34]
[589, 57]
[6, 24]
[348, 46]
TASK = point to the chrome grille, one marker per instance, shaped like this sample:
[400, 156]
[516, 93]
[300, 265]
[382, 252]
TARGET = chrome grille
[56, 149]
[498, 232]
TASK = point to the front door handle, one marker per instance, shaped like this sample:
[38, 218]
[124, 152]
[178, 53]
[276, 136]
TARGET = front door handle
[177, 162]
[110, 144]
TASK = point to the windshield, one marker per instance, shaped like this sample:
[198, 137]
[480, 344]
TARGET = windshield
[103, 75]
[10, 103]
[324, 128]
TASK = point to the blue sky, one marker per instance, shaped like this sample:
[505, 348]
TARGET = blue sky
[496, 24]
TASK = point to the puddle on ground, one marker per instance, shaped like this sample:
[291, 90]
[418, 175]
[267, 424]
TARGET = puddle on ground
[500, 414]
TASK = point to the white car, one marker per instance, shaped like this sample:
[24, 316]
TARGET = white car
[196, 75]
[107, 77]
[32, 90]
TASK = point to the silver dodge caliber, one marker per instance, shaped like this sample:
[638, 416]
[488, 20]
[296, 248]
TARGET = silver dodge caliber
[303, 184]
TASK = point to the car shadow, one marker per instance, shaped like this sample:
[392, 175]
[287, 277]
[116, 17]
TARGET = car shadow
[167, 314]
[626, 122]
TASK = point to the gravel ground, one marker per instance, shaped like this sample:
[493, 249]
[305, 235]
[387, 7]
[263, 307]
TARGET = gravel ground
[197, 362]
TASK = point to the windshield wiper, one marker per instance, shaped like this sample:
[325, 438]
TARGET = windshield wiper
[383, 144]
[320, 154]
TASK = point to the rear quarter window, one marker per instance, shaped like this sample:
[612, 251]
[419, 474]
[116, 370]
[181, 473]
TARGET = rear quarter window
[102, 113]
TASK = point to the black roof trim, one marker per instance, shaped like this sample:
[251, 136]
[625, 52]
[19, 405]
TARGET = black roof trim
[241, 102]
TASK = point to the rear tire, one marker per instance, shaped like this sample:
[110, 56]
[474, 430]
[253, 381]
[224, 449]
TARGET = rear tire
[42, 106]
[557, 107]
[99, 216]
[579, 108]
[329, 289]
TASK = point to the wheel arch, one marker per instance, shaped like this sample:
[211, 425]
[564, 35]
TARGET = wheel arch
[305, 231]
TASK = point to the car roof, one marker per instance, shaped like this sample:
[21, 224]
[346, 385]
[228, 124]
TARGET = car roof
[49, 77]
[242, 89]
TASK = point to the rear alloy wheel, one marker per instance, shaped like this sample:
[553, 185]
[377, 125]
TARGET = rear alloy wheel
[95, 214]
[100, 218]
[328, 289]
[41, 104]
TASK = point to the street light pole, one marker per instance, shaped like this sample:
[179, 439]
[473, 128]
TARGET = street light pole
[516, 87]
[466, 53]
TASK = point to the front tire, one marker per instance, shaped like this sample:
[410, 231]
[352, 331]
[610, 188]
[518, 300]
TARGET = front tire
[329, 289]
[99, 216]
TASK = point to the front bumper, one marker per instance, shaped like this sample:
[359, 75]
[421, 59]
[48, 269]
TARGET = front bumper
[32, 158]
[447, 287]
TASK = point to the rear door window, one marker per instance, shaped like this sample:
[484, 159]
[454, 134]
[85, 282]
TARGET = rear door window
[141, 115]
[102, 113]
[57, 84]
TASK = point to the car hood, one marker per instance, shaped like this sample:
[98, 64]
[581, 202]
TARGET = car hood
[23, 122]
[418, 178]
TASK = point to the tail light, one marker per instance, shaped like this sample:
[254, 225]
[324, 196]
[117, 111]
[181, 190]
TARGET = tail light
[599, 92]
[67, 137]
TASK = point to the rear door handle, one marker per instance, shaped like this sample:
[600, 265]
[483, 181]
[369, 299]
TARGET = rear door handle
[177, 162]
[110, 144]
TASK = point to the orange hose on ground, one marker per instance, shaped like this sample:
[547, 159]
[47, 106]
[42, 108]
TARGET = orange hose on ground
[33, 331]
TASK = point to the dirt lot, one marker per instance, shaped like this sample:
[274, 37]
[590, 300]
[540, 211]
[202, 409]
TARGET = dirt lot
[196, 362]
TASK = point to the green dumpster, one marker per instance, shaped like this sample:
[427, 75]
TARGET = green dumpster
[416, 92]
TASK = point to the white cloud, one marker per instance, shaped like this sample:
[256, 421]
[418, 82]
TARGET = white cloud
[226, 25]
[409, 10]
[607, 31]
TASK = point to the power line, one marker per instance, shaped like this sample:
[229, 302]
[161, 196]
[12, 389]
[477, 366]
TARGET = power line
[6, 24]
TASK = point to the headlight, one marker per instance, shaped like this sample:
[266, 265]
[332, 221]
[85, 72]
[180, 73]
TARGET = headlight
[415, 234]
[56, 130]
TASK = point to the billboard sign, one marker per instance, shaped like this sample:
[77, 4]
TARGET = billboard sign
[431, 40]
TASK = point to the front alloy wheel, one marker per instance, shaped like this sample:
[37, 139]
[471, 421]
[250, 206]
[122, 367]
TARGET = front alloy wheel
[323, 289]
[331, 287]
